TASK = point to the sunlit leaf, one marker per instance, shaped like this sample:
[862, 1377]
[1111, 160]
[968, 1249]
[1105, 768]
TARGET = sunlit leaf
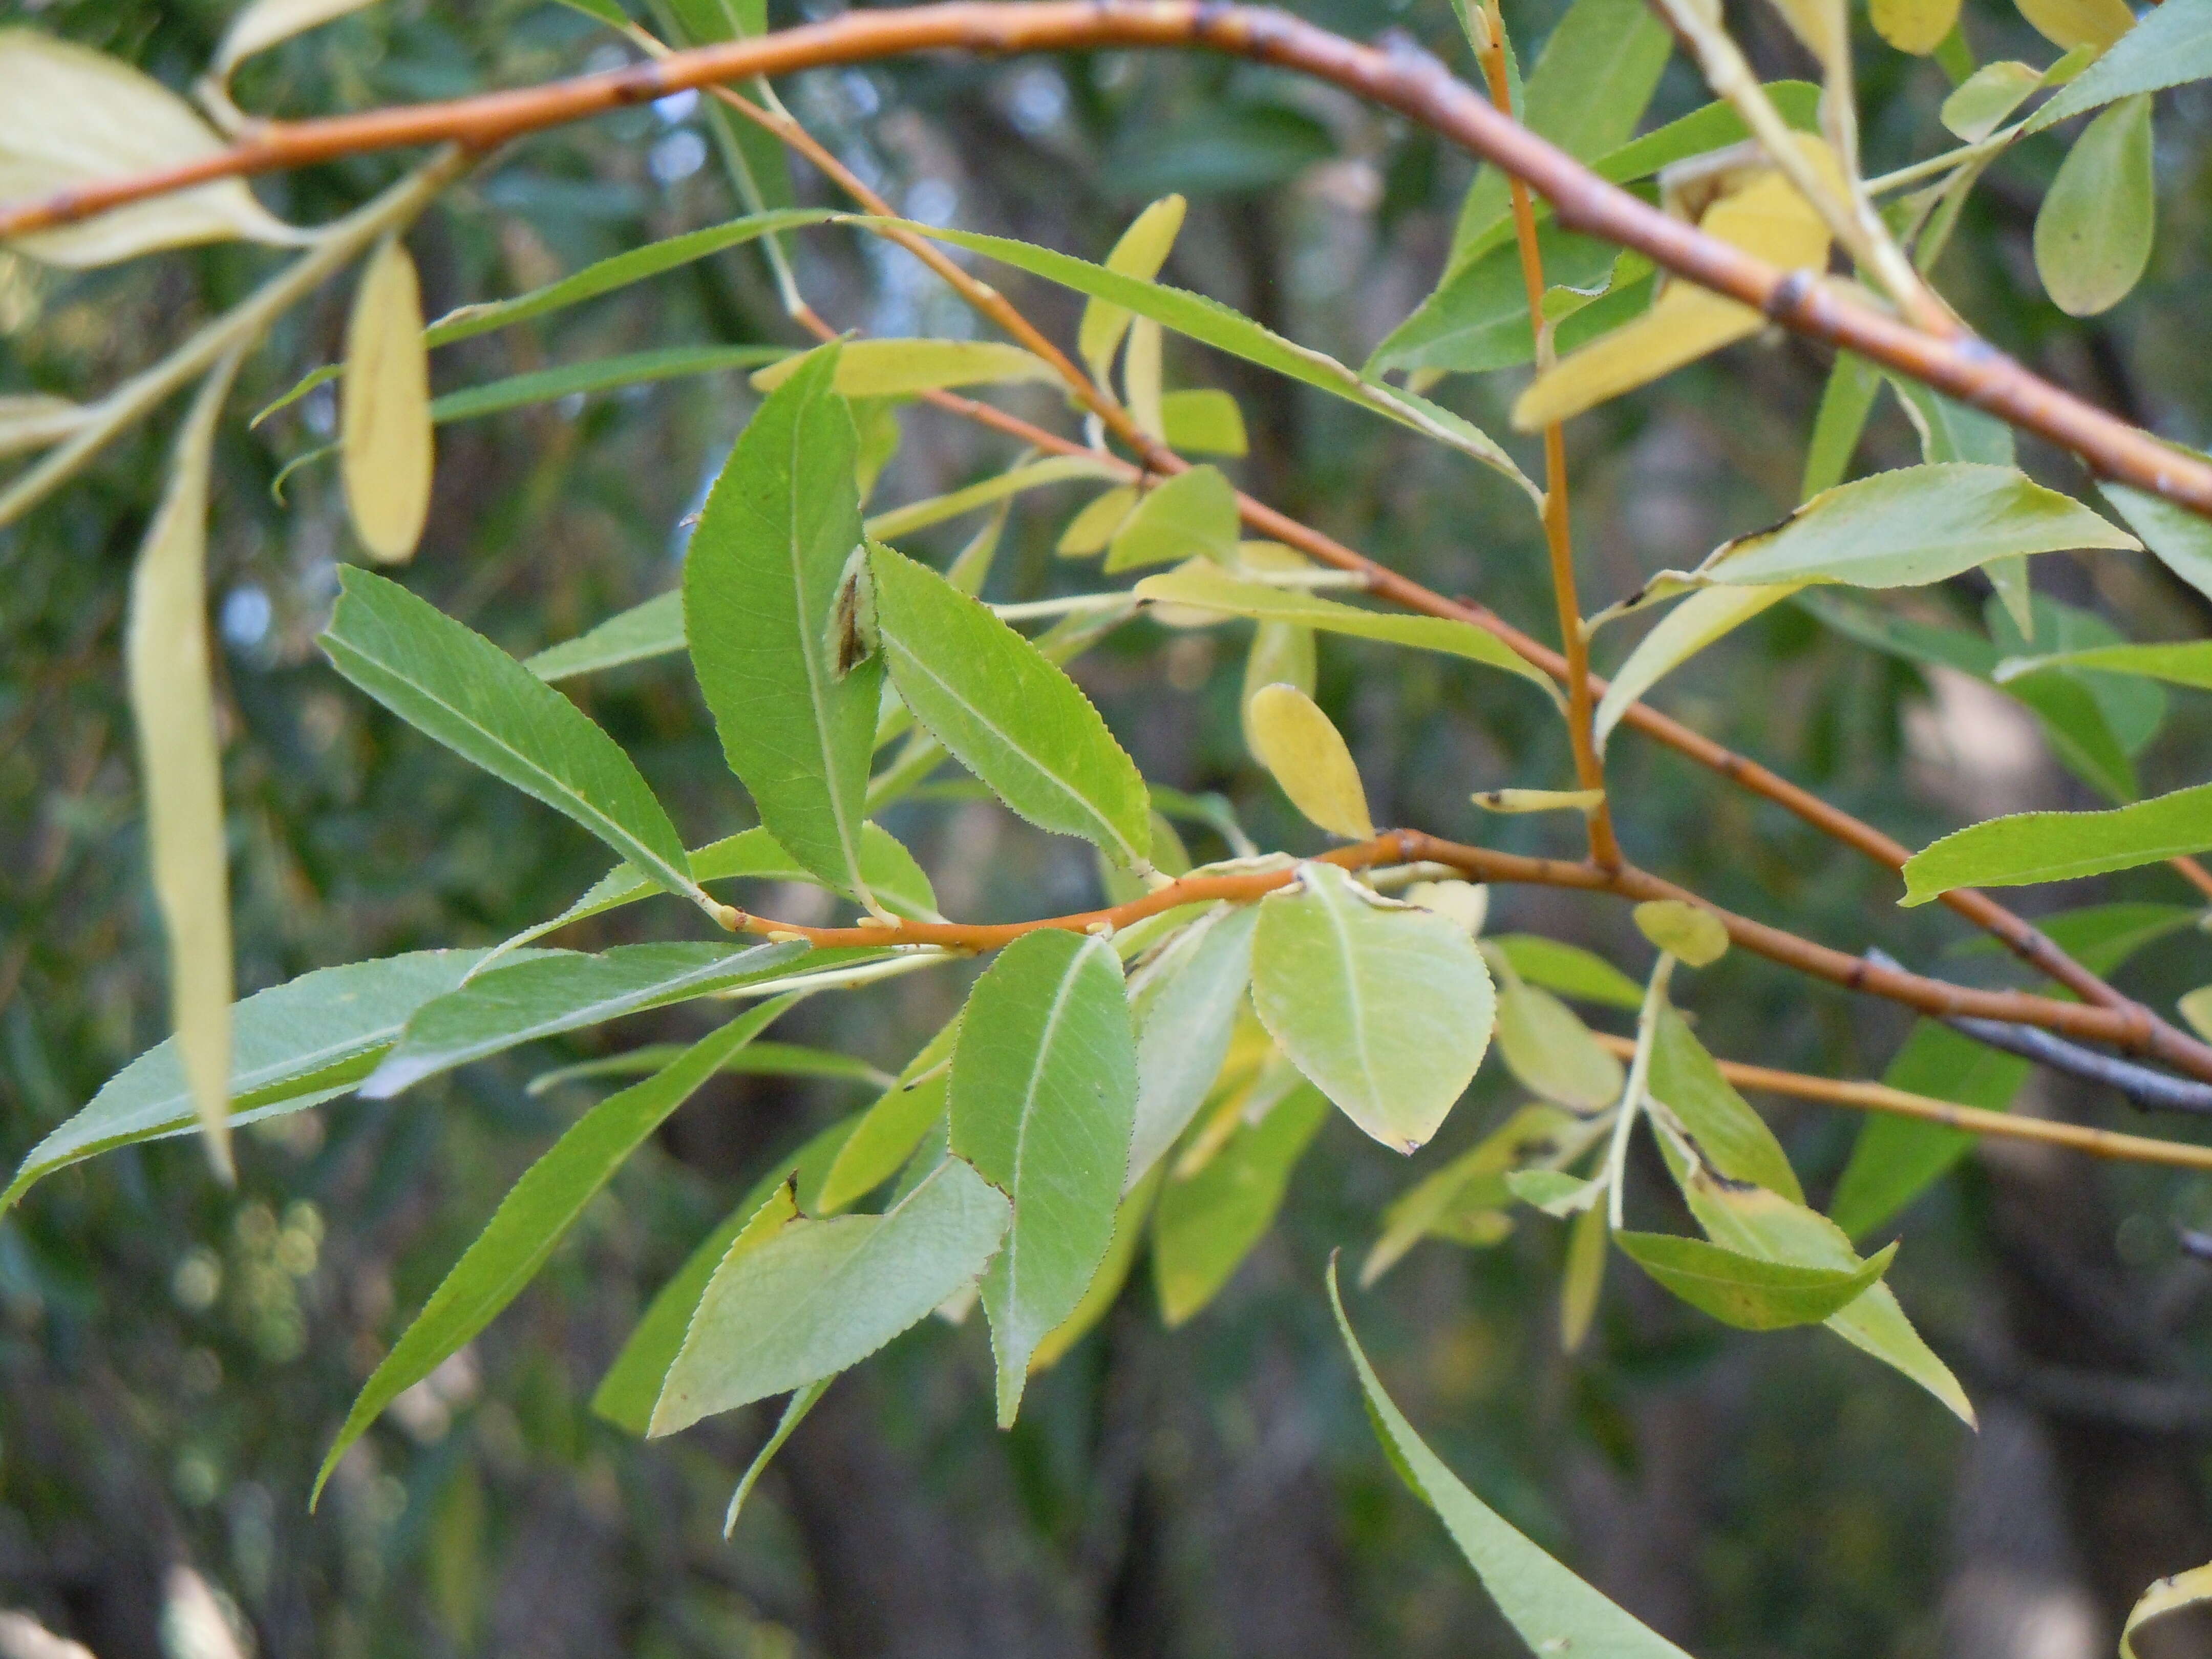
[2069, 23]
[1204, 1227]
[2094, 229]
[1142, 250]
[1730, 1136]
[2172, 44]
[1307, 755]
[1057, 469]
[1751, 1293]
[1192, 515]
[893, 368]
[385, 443]
[2037, 846]
[1203, 422]
[2189, 663]
[754, 1060]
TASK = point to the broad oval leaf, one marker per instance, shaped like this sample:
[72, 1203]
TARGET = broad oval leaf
[1914, 26]
[1282, 653]
[447, 681]
[2026, 847]
[534, 1216]
[386, 453]
[75, 117]
[821, 1296]
[760, 585]
[1043, 1103]
[1005, 712]
[1184, 1003]
[1142, 250]
[2094, 229]
[266, 24]
[1385, 1008]
[1895, 1158]
[1550, 1051]
[1203, 422]
[1204, 1227]
[1192, 516]
[899, 368]
[1308, 756]
[1748, 1292]
[1688, 930]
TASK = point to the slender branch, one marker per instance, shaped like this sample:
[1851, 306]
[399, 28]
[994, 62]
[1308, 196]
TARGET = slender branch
[1973, 1119]
[1963, 367]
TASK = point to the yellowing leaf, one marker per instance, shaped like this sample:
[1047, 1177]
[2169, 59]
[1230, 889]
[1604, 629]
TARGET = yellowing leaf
[1465, 903]
[1307, 754]
[2094, 229]
[75, 116]
[172, 705]
[1141, 252]
[1141, 371]
[1767, 218]
[2184, 1590]
[1192, 515]
[1823, 27]
[386, 445]
[2070, 23]
[266, 22]
[1550, 1051]
[893, 368]
[1091, 529]
[1203, 422]
[32, 419]
[1282, 653]
[1914, 26]
[1684, 929]
[1981, 101]
[2196, 1009]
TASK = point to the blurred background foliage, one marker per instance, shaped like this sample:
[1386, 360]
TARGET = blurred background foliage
[173, 1357]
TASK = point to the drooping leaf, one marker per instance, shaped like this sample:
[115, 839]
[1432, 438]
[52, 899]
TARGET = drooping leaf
[1731, 1137]
[2181, 539]
[1895, 1159]
[822, 1296]
[2094, 231]
[889, 1130]
[1688, 930]
[1204, 1227]
[1385, 1008]
[1203, 422]
[1474, 1183]
[1581, 1276]
[1192, 516]
[1978, 104]
[1551, 1051]
[460, 688]
[1914, 26]
[265, 23]
[2026, 848]
[534, 1216]
[1043, 1103]
[802, 1401]
[1845, 403]
[1301, 746]
[1688, 628]
[180, 759]
[1142, 250]
[1570, 970]
[1005, 712]
[1751, 1293]
[76, 117]
[1554, 1612]
[897, 369]
[1184, 1003]
[385, 443]
[2167, 48]
[292, 1046]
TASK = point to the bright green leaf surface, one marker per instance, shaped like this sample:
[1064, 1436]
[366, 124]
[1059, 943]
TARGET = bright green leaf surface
[1185, 1004]
[1734, 1138]
[2037, 846]
[1748, 1292]
[898, 369]
[1204, 421]
[1106, 1285]
[1895, 1159]
[653, 628]
[1205, 1227]
[1192, 516]
[1568, 970]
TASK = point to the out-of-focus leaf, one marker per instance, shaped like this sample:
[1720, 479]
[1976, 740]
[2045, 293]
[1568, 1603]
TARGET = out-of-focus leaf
[2197, 1008]
[1385, 1008]
[1044, 1099]
[1192, 516]
[2026, 848]
[1549, 1051]
[629, 368]
[1845, 403]
[76, 117]
[2181, 539]
[1914, 26]
[802, 1401]
[2189, 663]
[822, 1296]
[534, 1216]
[1204, 1227]
[1978, 104]
[1203, 422]
[1185, 1003]
[32, 419]
[887, 1132]
[1308, 756]
[2094, 231]
[454, 685]
[1751, 1293]
[1005, 712]
[266, 24]
[1091, 530]
[1466, 903]
[1282, 653]
[1570, 970]
[896, 369]
[180, 759]
[2098, 24]
[1474, 1183]
[754, 1060]
[1688, 930]
[1687, 629]
[385, 443]
[1058, 469]
[1581, 1276]
[1895, 1159]
[1221, 148]
[2184, 1590]
[1554, 1612]
[1141, 251]
[2167, 48]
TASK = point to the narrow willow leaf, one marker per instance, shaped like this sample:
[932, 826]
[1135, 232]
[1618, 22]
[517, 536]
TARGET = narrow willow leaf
[1914, 26]
[460, 688]
[1978, 104]
[1551, 1051]
[1555, 1192]
[1142, 250]
[1184, 1003]
[760, 585]
[1474, 1183]
[2102, 937]
[2094, 229]
[613, 373]
[265, 23]
[1043, 1102]
[1824, 28]
[1202, 587]
[1203, 422]
[1204, 1228]
[2037, 846]
[1478, 318]
[822, 1296]
[890, 1128]
[1688, 930]
[1731, 1137]
[1581, 1276]
[1895, 1159]
[2182, 540]
[1687, 629]
[2186, 663]
[1092, 530]
[802, 1401]
[905, 520]
[2097, 24]
[1385, 1008]
[1282, 653]
[1554, 1612]
[2167, 48]
[1749, 1292]
[754, 1060]
[1143, 376]
[1005, 712]
[899, 368]
[33, 420]
[653, 628]
[1768, 219]
[1192, 516]
[180, 758]
[534, 1218]
[1570, 970]
[292, 1046]
[2165, 1595]
[76, 117]
[1299, 744]
[385, 445]
[1106, 1285]
[516, 1002]
[1845, 403]
[1910, 527]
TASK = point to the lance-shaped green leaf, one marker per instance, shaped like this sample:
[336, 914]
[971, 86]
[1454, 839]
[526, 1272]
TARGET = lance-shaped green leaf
[1555, 1613]
[2189, 663]
[534, 1216]
[1206, 587]
[1734, 1139]
[754, 1060]
[2164, 49]
[797, 716]
[1570, 970]
[519, 1002]
[1895, 1159]
[1185, 1003]
[822, 1296]
[1446, 1202]
[1192, 516]
[802, 1401]
[1044, 1097]
[899, 368]
[2026, 848]
[1057, 468]
[454, 685]
[1749, 1292]
[1005, 712]
[628, 369]
[652, 628]
[1683, 632]
[1204, 1226]
[2093, 231]
[889, 1130]
[2181, 539]
[1911, 526]
[1385, 1008]
[292, 1046]
[1478, 318]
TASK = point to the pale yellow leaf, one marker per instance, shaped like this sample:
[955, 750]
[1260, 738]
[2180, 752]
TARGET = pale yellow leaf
[1685, 930]
[73, 117]
[1824, 29]
[172, 706]
[1294, 740]
[2070, 23]
[1914, 26]
[1090, 529]
[1141, 252]
[1767, 218]
[33, 420]
[898, 369]
[1466, 903]
[266, 22]
[1140, 379]
[386, 447]
[2184, 1590]
[2196, 1009]
[1510, 801]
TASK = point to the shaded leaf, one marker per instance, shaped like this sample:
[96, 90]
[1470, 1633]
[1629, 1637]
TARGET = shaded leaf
[754, 1060]
[2189, 663]
[1570, 970]
[1581, 1276]
[1185, 1002]
[1203, 1228]
[2165, 1595]
[1058, 469]
[652, 628]
[2097, 24]
[2093, 231]
[889, 1130]
[1092, 529]
[1688, 930]
[1914, 26]
[802, 1401]
[1106, 1285]
[1729, 1136]
[1474, 1183]
[1895, 1159]
[1687, 629]
[2181, 539]
[265, 23]
[2026, 848]
[1551, 1051]
[1978, 104]
[612, 373]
